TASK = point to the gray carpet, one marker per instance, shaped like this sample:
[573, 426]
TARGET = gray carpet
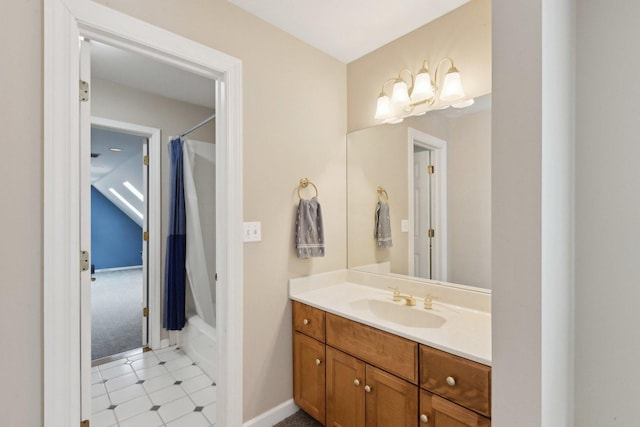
[116, 312]
[299, 419]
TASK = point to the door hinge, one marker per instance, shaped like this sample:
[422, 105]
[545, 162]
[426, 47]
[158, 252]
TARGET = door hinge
[84, 260]
[145, 160]
[145, 236]
[145, 312]
[431, 232]
[84, 91]
[431, 169]
[84, 423]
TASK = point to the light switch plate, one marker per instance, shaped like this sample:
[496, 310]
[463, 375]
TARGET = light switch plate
[252, 232]
[404, 225]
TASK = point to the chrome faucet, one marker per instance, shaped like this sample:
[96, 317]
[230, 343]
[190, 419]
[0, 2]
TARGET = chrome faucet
[397, 296]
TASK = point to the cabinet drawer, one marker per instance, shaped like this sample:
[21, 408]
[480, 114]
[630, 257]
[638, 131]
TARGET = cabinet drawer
[308, 320]
[389, 352]
[436, 411]
[455, 378]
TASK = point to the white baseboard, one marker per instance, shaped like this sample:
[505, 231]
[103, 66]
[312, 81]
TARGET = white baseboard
[273, 415]
[164, 343]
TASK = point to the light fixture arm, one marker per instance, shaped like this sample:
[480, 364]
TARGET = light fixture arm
[410, 75]
[382, 92]
[436, 86]
[420, 92]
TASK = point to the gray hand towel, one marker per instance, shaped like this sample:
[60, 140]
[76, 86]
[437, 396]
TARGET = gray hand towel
[382, 232]
[309, 229]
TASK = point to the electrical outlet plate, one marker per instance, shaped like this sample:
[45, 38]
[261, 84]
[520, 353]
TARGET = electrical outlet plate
[252, 232]
[404, 225]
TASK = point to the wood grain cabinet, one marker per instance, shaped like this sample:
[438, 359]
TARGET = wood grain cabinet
[309, 375]
[438, 412]
[347, 374]
[360, 395]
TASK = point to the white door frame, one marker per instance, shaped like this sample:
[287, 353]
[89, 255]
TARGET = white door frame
[439, 161]
[153, 218]
[64, 22]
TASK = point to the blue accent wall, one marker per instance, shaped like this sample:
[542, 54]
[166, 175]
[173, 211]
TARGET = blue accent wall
[116, 240]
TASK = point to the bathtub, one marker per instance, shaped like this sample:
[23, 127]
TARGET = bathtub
[198, 340]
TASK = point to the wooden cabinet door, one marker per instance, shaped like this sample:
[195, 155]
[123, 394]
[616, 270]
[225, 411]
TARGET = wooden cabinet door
[345, 390]
[309, 375]
[390, 401]
[438, 412]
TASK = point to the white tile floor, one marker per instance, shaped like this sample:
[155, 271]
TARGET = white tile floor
[157, 388]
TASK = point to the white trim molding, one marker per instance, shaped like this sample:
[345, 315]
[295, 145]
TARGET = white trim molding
[64, 22]
[438, 148]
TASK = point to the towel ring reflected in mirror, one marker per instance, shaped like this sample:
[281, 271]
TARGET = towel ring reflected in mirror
[304, 183]
[382, 193]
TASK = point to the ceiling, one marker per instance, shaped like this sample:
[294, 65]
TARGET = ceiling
[348, 29]
[344, 29]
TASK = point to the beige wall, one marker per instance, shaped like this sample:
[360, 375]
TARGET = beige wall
[377, 157]
[117, 102]
[469, 197]
[463, 34]
[294, 126]
[21, 217]
[286, 136]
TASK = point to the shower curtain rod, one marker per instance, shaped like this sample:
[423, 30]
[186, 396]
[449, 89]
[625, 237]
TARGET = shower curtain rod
[198, 126]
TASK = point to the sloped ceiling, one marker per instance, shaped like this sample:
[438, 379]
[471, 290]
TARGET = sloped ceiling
[111, 170]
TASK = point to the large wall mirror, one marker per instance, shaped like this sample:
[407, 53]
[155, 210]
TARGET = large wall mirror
[435, 171]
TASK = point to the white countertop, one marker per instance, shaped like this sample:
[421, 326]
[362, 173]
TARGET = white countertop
[466, 331]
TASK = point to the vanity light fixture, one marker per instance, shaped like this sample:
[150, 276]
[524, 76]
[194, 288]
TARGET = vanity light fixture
[423, 95]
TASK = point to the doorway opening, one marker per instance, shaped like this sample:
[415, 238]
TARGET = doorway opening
[427, 206]
[125, 85]
[66, 376]
[119, 264]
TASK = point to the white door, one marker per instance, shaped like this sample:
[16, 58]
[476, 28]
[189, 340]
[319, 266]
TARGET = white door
[422, 193]
[85, 234]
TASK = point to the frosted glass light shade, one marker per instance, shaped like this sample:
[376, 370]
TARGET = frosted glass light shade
[452, 86]
[400, 95]
[383, 109]
[422, 89]
[462, 104]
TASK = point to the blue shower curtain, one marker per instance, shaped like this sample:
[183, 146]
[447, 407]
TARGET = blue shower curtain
[175, 273]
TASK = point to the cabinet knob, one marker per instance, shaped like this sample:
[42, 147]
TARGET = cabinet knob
[424, 419]
[318, 361]
[305, 321]
[356, 382]
[367, 389]
[451, 381]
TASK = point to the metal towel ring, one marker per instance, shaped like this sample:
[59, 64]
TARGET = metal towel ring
[382, 191]
[304, 183]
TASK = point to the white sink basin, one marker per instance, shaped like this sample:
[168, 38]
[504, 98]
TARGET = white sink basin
[399, 313]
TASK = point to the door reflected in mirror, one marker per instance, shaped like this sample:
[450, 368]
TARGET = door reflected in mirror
[436, 171]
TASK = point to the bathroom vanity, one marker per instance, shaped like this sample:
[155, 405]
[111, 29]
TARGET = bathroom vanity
[363, 359]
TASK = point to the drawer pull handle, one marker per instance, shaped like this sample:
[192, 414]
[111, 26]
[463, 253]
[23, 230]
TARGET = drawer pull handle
[424, 419]
[451, 381]
[356, 382]
[318, 361]
[367, 389]
[306, 321]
